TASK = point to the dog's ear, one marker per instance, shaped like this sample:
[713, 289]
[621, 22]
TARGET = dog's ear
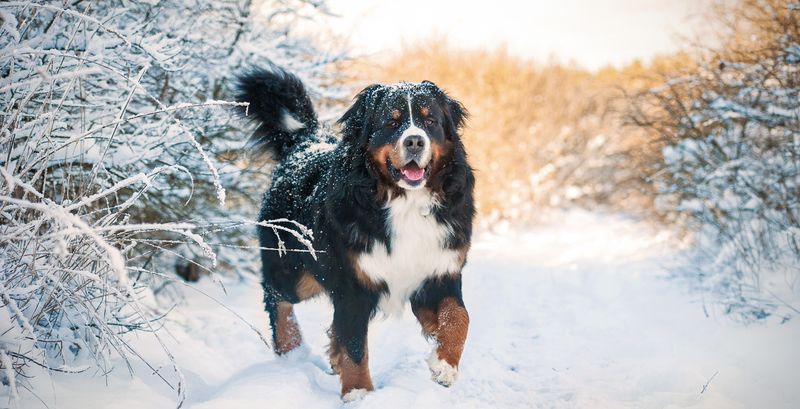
[355, 122]
[455, 113]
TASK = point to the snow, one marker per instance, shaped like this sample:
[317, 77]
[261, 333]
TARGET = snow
[354, 395]
[575, 313]
[441, 372]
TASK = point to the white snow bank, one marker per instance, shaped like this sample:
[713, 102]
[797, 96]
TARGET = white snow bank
[574, 314]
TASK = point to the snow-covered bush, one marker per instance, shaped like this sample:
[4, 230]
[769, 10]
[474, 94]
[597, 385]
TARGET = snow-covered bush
[732, 157]
[119, 155]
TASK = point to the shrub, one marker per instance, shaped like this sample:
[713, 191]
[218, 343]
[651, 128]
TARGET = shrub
[119, 154]
[731, 165]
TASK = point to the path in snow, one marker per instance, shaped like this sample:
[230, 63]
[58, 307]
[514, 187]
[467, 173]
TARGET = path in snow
[574, 314]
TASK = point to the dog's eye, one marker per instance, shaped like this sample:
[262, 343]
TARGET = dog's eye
[392, 124]
[429, 122]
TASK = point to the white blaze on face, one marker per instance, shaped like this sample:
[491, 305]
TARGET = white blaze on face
[413, 129]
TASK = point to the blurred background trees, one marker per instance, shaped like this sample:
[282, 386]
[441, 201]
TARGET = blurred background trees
[706, 140]
[539, 135]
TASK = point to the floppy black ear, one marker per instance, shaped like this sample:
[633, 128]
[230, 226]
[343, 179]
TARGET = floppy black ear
[354, 121]
[458, 113]
[455, 113]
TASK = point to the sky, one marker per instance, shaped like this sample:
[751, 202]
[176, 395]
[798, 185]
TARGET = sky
[590, 33]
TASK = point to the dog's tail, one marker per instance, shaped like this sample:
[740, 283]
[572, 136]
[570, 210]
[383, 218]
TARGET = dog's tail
[280, 105]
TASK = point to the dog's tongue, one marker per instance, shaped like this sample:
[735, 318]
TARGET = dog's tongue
[413, 173]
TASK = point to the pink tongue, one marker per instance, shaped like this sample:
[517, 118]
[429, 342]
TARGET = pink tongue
[413, 173]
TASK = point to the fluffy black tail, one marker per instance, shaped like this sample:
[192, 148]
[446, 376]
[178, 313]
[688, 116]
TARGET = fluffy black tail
[280, 105]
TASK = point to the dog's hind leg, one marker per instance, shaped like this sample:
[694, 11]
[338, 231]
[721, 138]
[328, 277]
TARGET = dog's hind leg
[285, 331]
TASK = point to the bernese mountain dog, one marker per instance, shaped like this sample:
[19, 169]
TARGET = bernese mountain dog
[388, 194]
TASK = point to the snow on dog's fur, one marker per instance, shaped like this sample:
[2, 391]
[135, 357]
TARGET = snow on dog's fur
[390, 201]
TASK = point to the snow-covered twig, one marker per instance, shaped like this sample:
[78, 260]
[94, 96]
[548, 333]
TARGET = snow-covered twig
[117, 145]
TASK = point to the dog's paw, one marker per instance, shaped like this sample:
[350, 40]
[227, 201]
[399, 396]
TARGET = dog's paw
[441, 372]
[354, 395]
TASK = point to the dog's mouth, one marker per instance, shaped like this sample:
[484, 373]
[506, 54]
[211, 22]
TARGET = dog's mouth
[411, 173]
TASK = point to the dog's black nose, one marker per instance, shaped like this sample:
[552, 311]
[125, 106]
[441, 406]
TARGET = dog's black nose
[414, 144]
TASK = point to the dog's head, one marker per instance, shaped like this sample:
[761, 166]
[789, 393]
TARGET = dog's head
[408, 131]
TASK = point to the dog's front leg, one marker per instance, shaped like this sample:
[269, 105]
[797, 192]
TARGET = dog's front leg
[349, 354]
[440, 310]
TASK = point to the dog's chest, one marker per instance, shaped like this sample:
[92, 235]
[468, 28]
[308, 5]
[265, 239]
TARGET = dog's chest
[417, 250]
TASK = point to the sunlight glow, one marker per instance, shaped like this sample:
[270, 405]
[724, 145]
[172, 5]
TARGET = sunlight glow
[589, 33]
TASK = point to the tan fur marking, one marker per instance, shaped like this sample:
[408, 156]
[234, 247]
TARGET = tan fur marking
[381, 154]
[429, 321]
[378, 160]
[437, 150]
[354, 375]
[287, 332]
[386, 151]
[351, 374]
[425, 111]
[396, 158]
[448, 326]
[308, 286]
[396, 114]
[452, 331]
[462, 255]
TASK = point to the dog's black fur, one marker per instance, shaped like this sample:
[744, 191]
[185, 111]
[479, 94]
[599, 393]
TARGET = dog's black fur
[334, 185]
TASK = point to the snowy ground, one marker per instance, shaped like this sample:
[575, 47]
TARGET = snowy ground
[574, 314]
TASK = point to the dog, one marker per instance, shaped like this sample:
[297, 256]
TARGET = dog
[388, 194]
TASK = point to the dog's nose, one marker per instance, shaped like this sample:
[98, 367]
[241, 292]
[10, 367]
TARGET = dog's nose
[414, 144]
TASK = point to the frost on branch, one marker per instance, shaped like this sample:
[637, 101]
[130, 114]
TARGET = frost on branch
[731, 166]
[118, 153]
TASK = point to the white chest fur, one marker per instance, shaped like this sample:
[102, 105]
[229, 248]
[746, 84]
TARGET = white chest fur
[417, 250]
